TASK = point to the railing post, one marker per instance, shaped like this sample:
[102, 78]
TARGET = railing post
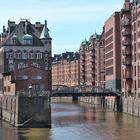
[119, 103]
[103, 101]
[1, 108]
[75, 99]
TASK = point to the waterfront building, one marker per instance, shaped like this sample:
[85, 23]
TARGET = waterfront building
[112, 31]
[131, 48]
[87, 60]
[100, 61]
[26, 48]
[65, 69]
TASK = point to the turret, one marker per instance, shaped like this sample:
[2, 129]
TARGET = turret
[45, 37]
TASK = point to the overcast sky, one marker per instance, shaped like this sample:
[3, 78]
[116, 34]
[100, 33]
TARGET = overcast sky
[69, 21]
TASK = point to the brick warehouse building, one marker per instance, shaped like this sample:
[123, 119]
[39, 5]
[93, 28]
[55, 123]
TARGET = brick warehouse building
[100, 61]
[112, 31]
[92, 61]
[65, 69]
[26, 47]
[131, 48]
[87, 60]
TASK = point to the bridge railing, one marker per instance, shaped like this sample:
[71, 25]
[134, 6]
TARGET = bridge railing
[86, 89]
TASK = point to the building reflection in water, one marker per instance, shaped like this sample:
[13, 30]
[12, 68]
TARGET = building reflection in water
[34, 134]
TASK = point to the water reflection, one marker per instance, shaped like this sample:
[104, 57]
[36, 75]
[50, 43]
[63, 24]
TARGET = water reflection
[79, 122]
[34, 134]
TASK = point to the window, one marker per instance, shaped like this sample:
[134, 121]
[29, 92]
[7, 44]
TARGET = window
[46, 67]
[10, 54]
[9, 88]
[38, 55]
[24, 55]
[109, 47]
[35, 65]
[11, 67]
[18, 54]
[22, 77]
[31, 54]
[109, 55]
[14, 40]
[109, 62]
[109, 40]
[38, 77]
[109, 71]
[4, 89]
[36, 87]
[21, 65]
[27, 42]
[27, 39]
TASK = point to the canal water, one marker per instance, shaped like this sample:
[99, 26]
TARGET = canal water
[71, 121]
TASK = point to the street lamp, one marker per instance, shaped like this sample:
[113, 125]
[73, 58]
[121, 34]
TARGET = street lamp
[30, 90]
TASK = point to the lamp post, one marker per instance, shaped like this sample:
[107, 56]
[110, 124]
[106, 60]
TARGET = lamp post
[30, 90]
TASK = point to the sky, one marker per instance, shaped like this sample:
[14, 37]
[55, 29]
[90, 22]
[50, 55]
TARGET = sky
[69, 21]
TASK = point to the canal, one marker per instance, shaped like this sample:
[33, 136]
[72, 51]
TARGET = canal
[71, 121]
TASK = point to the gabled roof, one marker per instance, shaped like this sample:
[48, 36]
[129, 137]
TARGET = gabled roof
[20, 31]
[94, 36]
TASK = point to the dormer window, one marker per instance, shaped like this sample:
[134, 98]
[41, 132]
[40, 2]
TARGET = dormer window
[14, 40]
[27, 39]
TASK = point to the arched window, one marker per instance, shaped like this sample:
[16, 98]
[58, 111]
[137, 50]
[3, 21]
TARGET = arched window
[18, 54]
[31, 54]
[24, 54]
[10, 54]
[38, 55]
[14, 40]
[27, 39]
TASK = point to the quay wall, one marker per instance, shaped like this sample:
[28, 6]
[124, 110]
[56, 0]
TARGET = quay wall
[108, 102]
[23, 111]
[131, 106]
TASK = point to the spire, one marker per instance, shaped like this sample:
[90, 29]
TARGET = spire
[96, 35]
[45, 31]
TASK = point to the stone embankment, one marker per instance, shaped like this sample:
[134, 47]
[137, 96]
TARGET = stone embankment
[23, 111]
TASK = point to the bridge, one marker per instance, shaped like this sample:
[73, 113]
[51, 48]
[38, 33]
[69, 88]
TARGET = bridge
[87, 91]
[64, 91]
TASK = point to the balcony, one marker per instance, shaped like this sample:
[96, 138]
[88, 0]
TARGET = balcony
[127, 77]
[92, 55]
[126, 53]
[126, 33]
[83, 76]
[126, 43]
[93, 75]
[83, 71]
[126, 22]
[93, 62]
[127, 62]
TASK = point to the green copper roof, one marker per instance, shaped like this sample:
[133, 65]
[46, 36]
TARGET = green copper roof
[27, 36]
[45, 32]
[95, 35]
[85, 42]
[14, 37]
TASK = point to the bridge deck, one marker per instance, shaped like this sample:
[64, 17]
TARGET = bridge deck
[60, 94]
